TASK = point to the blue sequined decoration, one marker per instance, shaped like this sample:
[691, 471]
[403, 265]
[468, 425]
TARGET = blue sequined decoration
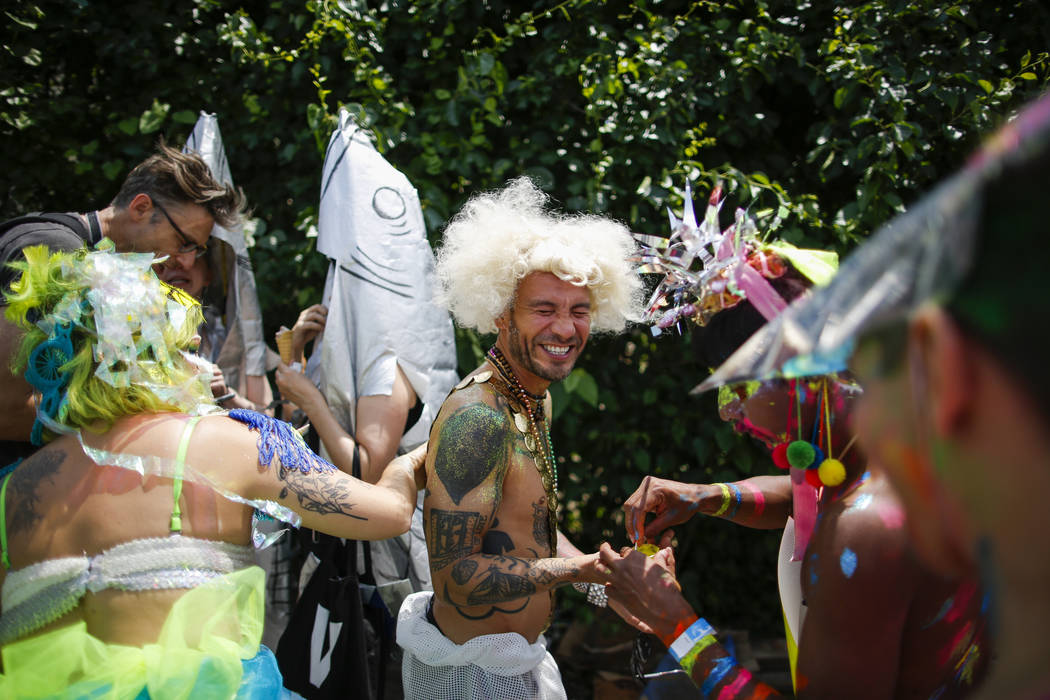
[280, 438]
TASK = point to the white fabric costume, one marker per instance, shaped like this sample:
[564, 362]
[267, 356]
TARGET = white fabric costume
[491, 666]
[381, 315]
[237, 336]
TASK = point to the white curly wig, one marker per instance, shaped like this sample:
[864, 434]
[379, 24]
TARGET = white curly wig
[499, 238]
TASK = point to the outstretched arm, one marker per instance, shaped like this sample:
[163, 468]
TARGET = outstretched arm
[327, 499]
[761, 502]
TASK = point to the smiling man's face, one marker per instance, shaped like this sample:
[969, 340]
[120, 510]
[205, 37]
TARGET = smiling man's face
[545, 331]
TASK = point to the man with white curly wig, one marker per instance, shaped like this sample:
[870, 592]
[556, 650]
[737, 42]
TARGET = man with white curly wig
[541, 280]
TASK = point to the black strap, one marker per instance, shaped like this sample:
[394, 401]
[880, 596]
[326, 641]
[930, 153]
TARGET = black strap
[71, 221]
[355, 470]
[96, 228]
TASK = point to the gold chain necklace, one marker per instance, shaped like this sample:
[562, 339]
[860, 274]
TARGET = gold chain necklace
[537, 440]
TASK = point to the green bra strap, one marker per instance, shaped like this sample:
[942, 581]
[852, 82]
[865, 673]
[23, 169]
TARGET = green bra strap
[4, 559]
[180, 466]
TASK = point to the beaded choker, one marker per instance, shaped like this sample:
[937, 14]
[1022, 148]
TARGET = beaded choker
[534, 426]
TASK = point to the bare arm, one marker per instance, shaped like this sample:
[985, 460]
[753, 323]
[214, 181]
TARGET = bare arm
[17, 411]
[328, 501]
[856, 564]
[380, 421]
[466, 469]
[762, 502]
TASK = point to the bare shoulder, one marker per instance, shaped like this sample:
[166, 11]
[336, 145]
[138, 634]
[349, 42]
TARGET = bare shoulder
[862, 543]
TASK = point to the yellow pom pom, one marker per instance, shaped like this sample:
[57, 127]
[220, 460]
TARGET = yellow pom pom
[832, 472]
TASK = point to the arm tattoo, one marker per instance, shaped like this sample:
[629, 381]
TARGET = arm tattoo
[499, 586]
[326, 494]
[462, 571]
[452, 535]
[472, 444]
[24, 483]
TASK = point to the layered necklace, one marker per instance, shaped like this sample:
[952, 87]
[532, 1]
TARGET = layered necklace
[532, 423]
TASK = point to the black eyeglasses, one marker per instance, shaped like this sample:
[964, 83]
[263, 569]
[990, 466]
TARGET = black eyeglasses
[188, 245]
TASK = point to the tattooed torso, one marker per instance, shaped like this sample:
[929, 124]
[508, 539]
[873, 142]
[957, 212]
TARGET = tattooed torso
[485, 497]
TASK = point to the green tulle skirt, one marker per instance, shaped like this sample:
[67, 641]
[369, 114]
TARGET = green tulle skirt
[207, 648]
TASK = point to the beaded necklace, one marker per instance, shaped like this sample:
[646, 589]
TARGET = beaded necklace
[537, 438]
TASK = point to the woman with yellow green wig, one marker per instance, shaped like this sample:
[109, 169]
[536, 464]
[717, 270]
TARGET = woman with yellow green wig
[126, 541]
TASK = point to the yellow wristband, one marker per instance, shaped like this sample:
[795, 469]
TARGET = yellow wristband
[725, 501]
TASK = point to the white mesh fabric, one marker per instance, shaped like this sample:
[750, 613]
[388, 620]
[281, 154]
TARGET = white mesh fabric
[492, 666]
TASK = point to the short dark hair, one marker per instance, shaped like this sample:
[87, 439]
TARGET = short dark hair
[173, 177]
[1003, 302]
[729, 329]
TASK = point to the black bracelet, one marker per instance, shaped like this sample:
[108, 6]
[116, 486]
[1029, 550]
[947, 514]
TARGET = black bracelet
[225, 397]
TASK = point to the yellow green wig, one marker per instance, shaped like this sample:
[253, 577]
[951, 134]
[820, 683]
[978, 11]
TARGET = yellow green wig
[126, 330]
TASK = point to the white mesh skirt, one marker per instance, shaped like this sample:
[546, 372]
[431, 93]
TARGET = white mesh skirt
[492, 666]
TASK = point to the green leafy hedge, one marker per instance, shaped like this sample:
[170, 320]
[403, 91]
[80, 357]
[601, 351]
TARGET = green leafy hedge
[824, 119]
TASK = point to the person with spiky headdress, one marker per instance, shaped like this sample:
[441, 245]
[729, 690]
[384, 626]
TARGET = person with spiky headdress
[913, 634]
[943, 315]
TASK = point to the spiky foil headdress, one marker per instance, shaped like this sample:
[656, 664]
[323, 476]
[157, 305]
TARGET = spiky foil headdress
[707, 269]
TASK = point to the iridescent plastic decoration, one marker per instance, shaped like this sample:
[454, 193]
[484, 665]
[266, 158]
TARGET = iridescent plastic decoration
[707, 270]
[44, 373]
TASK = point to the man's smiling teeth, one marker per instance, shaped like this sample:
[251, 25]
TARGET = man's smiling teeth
[557, 349]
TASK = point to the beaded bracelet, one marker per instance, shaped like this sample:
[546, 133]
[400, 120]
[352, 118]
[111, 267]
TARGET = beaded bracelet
[725, 500]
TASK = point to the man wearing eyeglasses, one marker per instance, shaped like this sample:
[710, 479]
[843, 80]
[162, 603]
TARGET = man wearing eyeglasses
[167, 205]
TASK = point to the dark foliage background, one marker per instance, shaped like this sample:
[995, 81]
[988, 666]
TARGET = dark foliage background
[824, 118]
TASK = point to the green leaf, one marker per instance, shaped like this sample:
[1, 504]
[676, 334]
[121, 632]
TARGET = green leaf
[184, 116]
[112, 169]
[129, 126]
[1028, 76]
[587, 389]
[153, 118]
[485, 63]
[840, 97]
[986, 86]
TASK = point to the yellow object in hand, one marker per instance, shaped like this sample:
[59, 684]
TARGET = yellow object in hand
[647, 549]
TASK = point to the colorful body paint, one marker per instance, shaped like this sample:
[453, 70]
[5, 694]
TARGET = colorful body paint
[730, 691]
[758, 496]
[738, 497]
[719, 670]
[848, 562]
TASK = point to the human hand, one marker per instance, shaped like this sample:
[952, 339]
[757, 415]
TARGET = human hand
[645, 588]
[416, 460]
[672, 503]
[589, 568]
[311, 321]
[219, 389]
[297, 388]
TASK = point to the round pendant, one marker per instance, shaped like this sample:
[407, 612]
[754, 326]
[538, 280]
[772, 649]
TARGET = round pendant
[481, 377]
[465, 382]
[530, 442]
[521, 423]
